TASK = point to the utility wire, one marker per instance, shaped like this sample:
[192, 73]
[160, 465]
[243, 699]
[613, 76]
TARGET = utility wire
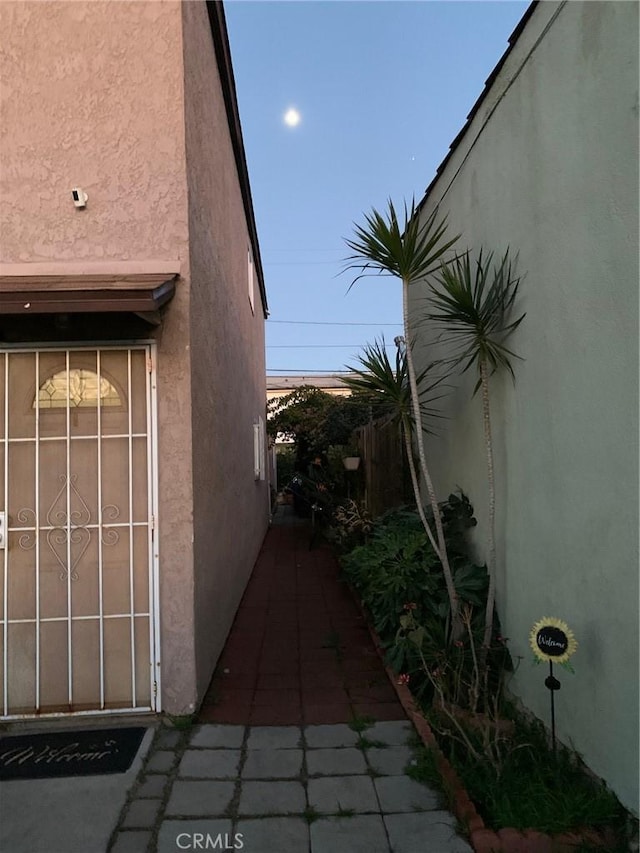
[320, 346]
[325, 323]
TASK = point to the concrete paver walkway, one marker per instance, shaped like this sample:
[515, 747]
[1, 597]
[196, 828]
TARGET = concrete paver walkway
[288, 789]
[302, 744]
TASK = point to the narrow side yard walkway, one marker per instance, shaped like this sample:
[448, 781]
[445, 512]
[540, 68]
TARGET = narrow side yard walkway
[301, 745]
[299, 651]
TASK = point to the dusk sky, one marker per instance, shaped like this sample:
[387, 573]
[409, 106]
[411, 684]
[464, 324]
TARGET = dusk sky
[343, 105]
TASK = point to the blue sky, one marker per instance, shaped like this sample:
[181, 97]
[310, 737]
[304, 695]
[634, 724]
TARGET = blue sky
[382, 89]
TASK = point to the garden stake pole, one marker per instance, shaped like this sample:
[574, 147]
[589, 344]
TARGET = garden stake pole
[553, 684]
[552, 639]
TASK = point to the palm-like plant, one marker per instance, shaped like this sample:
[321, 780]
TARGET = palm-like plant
[380, 380]
[473, 304]
[411, 251]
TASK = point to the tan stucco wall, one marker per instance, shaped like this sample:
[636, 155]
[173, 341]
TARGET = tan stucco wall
[92, 96]
[554, 175]
[227, 357]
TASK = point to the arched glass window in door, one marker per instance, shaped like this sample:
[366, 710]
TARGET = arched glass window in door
[79, 387]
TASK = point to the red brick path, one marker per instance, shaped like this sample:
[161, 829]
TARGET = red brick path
[298, 651]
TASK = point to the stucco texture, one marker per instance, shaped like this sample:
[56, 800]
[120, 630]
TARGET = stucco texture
[549, 168]
[91, 98]
[231, 508]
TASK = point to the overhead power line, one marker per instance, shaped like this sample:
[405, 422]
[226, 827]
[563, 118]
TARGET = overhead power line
[326, 323]
[320, 346]
[299, 263]
[286, 370]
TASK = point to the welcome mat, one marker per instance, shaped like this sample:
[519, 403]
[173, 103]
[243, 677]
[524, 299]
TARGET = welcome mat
[87, 752]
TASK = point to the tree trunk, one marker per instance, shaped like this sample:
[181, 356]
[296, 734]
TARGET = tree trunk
[415, 401]
[491, 561]
[416, 486]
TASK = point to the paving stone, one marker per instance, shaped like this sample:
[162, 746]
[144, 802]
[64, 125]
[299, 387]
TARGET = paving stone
[330, 736]
[401, 794]
[131, 842]
[332, 793]
[358, 834]
[332, 762]
[272, 764]
[432, 831]
[392, 732]
[142, 814]
[176, 835]
[274, 835]
[271, 798]
[391, 761]
[168, 738]
[152, 786]
[210, 763]
[274, 737]
[200, 799]
[160, 762]
[212, 736]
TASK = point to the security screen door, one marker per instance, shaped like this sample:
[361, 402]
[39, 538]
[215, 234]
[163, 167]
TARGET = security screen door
[77, 567]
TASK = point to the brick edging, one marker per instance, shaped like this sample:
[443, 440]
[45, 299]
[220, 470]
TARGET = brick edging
[483, 840]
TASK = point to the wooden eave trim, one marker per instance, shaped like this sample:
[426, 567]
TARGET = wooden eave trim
[80, 294]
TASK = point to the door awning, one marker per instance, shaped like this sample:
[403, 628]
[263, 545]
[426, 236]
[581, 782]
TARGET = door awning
[67, 293]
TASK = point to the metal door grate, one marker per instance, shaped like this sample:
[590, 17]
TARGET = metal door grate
[79, 610]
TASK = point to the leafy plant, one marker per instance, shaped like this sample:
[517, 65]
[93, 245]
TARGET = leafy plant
[472, 304]
[397, 572]
[315, 420]
[408, 250]
[351, 524]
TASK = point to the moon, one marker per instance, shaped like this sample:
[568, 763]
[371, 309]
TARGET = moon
[292, 117]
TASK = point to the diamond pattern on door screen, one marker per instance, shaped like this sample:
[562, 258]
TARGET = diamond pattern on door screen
[77, 627]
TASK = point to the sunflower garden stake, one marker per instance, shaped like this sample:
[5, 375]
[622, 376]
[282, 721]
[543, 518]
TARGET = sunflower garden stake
[552, 640]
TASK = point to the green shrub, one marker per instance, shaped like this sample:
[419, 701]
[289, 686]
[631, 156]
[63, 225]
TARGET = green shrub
[397, 571]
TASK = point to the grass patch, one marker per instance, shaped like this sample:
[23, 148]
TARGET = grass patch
[182, 723]
[310, 814]
[425, 769]
[366, 743]
[532, 788]
[361, 723]
[346, 812]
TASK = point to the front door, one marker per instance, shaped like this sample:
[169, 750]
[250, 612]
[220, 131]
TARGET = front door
[78, 632]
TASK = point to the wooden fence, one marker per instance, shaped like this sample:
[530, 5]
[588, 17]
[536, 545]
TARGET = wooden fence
[385, 472]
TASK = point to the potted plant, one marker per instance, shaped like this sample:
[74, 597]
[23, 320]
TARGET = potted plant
[351, 458]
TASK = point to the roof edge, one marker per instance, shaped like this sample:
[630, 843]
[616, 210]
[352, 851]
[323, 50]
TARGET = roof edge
[513, 38]
[222, 51]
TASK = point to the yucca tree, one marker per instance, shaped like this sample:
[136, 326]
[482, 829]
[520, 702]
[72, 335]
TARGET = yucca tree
[409, 250]
[381, 380]
[472, 302]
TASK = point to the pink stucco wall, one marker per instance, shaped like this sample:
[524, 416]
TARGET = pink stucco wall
[93, 96]
[227, 356]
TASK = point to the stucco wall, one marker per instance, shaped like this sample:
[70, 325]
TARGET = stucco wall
[92, 96]
[553, 174]
[227, 357]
